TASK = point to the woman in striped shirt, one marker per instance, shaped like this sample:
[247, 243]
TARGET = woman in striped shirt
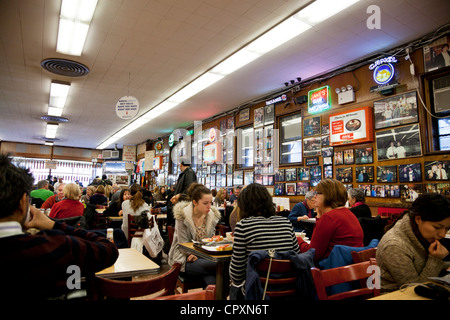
[258, 229]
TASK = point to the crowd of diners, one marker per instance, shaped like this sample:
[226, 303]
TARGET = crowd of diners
[411, 250]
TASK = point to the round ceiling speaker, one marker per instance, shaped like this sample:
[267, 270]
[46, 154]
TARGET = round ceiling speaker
[64, 67]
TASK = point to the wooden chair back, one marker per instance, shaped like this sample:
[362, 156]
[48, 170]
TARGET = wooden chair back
[118, 289]
[134, 231]
[354, 272]
[278, 267]
[208, 294]
[170, 231]
[364, 255]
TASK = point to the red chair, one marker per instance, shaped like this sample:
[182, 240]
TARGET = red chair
[208, 294]
[134, 231]
[118, 289]
[364, 255]
[279, 267]
[358, 271]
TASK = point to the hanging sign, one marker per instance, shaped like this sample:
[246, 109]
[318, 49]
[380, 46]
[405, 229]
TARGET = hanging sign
[383, 73]
[159, 146]
[319, 100]
[276, 100]
[127, 107]
[354, 126]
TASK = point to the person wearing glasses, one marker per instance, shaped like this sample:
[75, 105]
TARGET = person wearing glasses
[335, 224]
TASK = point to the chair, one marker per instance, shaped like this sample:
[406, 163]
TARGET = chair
[364, 255]
[208, 294]
[281, 286]
[117, 289]
[170, 231]
[223, 229]
[373, 228]
[134, 231]
[100, 220]
[358, 271]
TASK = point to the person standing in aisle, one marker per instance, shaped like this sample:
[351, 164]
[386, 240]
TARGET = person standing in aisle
[185, 179]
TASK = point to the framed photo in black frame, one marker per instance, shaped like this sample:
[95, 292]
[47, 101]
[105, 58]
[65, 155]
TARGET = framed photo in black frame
[291, 174]
[338, 157]
[386, 173]
[344, 174]
[348, 156]
[410, 172]
[303, 174]
[399, 143]
[437, 170]
[364, 155]
[279, 175]
[364, 174]
[314, 161]
[397, 110]
[302, 188]
[311, 126]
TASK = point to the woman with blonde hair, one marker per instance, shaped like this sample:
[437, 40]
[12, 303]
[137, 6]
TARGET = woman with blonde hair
[133, 206]
[90, 191]
[70, 205]
[220, 197]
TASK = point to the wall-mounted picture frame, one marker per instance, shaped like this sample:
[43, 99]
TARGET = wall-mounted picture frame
[363, 155]
[312, 146]
[328, 172]
[348, 156]
[344, 174]
[269, 114]
[291, 189]
[410, 192]
[238, 178]
[291, 174]
[244, 115]
[315, 171]
[279, 175]
[338, 158]
[399, 143]
[302, 188]
[392, 191]
[327, 152]
[367, 188]
[303, 174]
[311, 126]
[441, 188]
[279, 189]
[315, 181]
[411, 172]
[314, 161]
[258, 117]
[437, 170]
[386, 173]
[327, 160]
[248, 177]
[258, 178]
[364, 174]
[325, 129]
[325, 140]
[397, 110]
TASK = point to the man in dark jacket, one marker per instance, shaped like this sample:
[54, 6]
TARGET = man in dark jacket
[186, 177]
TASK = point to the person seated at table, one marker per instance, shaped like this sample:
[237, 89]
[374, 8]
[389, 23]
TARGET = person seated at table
[35, 266]
[134, 206]
[412, 249]
[335, 224]
[194, 220]
[48, 204]
[70, 206]
[303, 210]
[99, 197]
[90, 191]
[115, 207]
[258, 228]
[235, 195]
[157, 195]
[220, 197]
[42, 191]
[356, 200]
[108, 190]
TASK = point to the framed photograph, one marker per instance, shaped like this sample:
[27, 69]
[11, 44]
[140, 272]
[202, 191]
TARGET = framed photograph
[348, 156]
[291, 189]
[398, 143]
[311, 126]
[311, 146]
[348, 186]
[259, 178]
[392, 191]
[268, 180]
[230, 124]
[325, 140]
[364, 155]
[259, 136]
[327, 160]
[279, 175]
[364, 174]
[268, 156]
[269, 114]
[270, 190]
[312, 161]
[244, 115]
[410, 192]
[338, 158]
[248, 177]
[441, 188]
[238, 178]
[433, 54]
[328, 172]
[302, 188]
[258, 117]
[386, 173]
[327, 152]
[315, 181]
[396, 110]
[291, 174]
[378, 191]
[325, 129]
[437, 170]
[315, 171]
[229, 180]
[279, 189]
[303, 174]
[367, 188]
[224, 180]
[410, 172]
[344, 174]
[223, 127]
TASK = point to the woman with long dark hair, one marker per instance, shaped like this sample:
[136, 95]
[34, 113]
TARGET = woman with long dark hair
[134, 206]
[412, 249]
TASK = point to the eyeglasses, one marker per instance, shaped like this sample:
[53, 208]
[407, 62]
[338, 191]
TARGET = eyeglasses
[317, 193]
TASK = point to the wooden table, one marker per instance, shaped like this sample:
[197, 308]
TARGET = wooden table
[221, 260]
[406, 294]
[130, 263]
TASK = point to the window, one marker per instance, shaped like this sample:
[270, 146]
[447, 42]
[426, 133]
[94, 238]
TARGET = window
[291, 139]
[440, 102]
[245, 147]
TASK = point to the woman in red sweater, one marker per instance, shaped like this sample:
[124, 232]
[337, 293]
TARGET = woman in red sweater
[335, 224]
[70, 206]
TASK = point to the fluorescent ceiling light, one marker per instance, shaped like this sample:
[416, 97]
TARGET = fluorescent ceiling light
[58, 94]
[51, 131]
[321, 10]
[55, 112]
[76, 15]
[234, 62]
[48, 143]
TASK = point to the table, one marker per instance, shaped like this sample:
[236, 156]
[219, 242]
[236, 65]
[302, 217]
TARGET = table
[100, 210]
[130, 263]
[221, 260]
[406, 294]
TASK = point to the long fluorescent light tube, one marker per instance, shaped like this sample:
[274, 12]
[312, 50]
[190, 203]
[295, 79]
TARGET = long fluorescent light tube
[51, 131]
[76, 15]
[58, 94]
[321, 10]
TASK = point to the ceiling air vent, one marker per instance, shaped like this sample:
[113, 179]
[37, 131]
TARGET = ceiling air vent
[54, 118]
[65, 67]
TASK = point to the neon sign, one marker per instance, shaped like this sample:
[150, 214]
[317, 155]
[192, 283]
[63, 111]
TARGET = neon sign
[383, 70]
[319, 100]
[276, 100]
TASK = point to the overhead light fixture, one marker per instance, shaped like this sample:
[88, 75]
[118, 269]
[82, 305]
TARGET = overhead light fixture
[51, 130]
[74, 21]
[58, 96]
[288, 29]
[49, 143]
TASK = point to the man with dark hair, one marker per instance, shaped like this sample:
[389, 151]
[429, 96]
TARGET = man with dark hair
[36, 266]
[186, 177]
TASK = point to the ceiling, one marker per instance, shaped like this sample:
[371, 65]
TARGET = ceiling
[150, 49]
